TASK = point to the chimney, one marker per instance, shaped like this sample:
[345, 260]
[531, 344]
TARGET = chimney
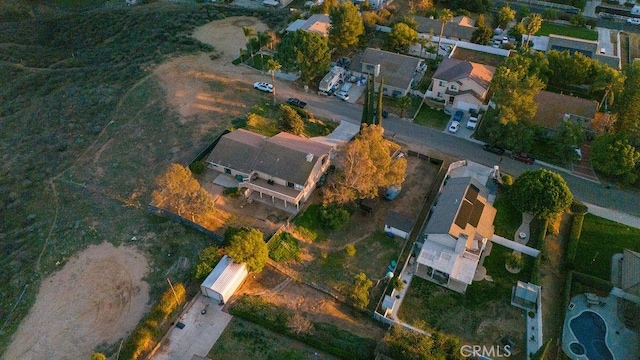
[309, 157]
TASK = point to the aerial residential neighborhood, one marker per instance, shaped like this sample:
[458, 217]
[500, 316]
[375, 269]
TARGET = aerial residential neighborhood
[330, 179]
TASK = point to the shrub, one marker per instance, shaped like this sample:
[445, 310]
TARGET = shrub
[197, 167]
[574, 239]
[334, 217]
[595, 283]
[350, 250]
[208, 257]
[515, 261]
[98, 356]
[360, 290]
[397, 283]
[577, 207]
[507, 180]
[306, 233]
[232, 192]
[284, 247]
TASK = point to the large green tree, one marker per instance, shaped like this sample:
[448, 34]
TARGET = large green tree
[445, 15]
[627, 107]
[401, 37]
[290, 121]
[568, 69]
[272, 66]
[248, 247]
[609, 81]
[360, 290]
[515, 87]
[482, 35]
[614, 156]
[504, 16]
[363, 166]
[346, 26]
[541, 192]
[305, 51]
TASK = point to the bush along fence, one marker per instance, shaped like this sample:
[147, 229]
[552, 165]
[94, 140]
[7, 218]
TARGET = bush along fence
[155, 324]
[322, 336]
[574, 239]
[540, 245]
[179, 219]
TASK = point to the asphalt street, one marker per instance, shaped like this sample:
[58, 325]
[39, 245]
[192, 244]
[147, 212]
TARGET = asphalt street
[438, 142]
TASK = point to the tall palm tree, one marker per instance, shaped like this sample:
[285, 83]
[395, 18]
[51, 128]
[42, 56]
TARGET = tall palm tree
[533, 23]
[272, 67]
[445, 16]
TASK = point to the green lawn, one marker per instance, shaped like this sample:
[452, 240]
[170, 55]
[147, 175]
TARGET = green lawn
[601, 239]
[571, 31]
[508, 219]
[432, 117]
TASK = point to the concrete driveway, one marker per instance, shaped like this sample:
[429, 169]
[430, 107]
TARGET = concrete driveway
[199, 333]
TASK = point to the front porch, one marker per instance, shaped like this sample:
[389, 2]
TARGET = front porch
[267, 192]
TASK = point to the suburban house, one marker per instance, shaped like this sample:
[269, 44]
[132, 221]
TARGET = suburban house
[461, 84]
[317, 23]
[457, 231]
[284, 167]
[460, 28]
[555, 108]
[398, 224]
[398, 71]
[603, 52]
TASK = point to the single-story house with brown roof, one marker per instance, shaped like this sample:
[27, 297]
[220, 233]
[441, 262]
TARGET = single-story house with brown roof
[461, 84]
[316, 23]
[398, 71]
[554, 108]
[284, 167]
[460, 28]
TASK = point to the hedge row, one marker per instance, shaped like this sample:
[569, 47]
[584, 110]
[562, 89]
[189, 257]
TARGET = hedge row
[540, 245]
[322, 336]
[150, 329]
[574, 238]
[595, 283]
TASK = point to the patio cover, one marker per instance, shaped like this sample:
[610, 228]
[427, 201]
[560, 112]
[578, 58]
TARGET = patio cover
[515, 246]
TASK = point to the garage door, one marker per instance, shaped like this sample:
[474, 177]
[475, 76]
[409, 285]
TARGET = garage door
[465, 106]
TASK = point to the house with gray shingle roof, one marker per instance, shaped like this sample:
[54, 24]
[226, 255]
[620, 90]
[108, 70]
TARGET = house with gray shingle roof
[460, 28]
[461, 84]
[398, 71]
[398, 224]
[284, 167]
[458, 229]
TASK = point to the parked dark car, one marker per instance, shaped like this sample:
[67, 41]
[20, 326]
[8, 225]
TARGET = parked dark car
[493, 149]
[296, 102]
[525, 158]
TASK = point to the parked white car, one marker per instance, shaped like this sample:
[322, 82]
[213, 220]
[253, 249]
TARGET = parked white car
[263, 86]
[342, 95]
[472, 122]
[453, 128]
[633, 21]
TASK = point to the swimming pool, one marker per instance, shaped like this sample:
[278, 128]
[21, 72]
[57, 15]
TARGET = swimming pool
[590, 331]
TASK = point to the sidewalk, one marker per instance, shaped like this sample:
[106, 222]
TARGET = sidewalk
[613, 215]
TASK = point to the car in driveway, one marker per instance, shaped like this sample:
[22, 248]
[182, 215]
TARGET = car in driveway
[458, 116]
[263, 86]
[296, 102]
[342, 95]
[493, 149]
[453, 128]
[523, 157]
[472, 123]
[633, 21]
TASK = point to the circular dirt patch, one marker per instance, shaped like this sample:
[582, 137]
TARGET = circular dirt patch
[243, 22]
[96, 298]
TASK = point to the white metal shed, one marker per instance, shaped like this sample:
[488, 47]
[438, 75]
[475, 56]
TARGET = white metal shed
[224, 279]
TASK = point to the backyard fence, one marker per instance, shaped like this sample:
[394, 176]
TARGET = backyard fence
[184, 221]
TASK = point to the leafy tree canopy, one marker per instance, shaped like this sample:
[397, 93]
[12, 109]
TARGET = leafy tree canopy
[290, 121]
[406, 344]
[401, 37]
[504, 16]
[482, 35]
[541, 192]
[179, 192]
[627, 107]
[346, 26]
[614, 156]
[305, 51]
[360, 290]
[364, 165]
[248, 247]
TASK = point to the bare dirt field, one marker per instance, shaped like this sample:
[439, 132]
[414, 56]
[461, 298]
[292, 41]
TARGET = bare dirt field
[97, 296]
[199, 86]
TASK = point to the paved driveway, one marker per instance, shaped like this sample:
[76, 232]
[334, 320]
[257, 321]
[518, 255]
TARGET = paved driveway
[199, 334]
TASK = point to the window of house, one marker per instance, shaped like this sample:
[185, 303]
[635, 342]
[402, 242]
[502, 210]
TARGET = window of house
[439, 95]
[290, 184]
[442, 83]
[454, 87]
[227, 170]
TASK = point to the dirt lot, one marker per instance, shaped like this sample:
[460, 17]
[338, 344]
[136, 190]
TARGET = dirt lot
[97, 296]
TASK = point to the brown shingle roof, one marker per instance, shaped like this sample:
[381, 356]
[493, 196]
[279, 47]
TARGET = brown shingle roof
[397, 70]
[552, 107]
[451, 69]
[461, 27]
[283, 156]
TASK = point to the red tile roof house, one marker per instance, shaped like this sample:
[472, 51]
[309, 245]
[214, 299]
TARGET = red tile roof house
[555, 108]
[285, 167]
[461, 84]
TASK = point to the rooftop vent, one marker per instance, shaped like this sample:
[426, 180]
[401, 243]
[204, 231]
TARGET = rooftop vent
[309, 157]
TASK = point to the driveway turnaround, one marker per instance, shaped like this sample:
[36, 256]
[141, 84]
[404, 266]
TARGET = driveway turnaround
[199, 333]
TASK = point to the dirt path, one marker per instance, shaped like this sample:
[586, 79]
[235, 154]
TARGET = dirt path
[96, 298]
